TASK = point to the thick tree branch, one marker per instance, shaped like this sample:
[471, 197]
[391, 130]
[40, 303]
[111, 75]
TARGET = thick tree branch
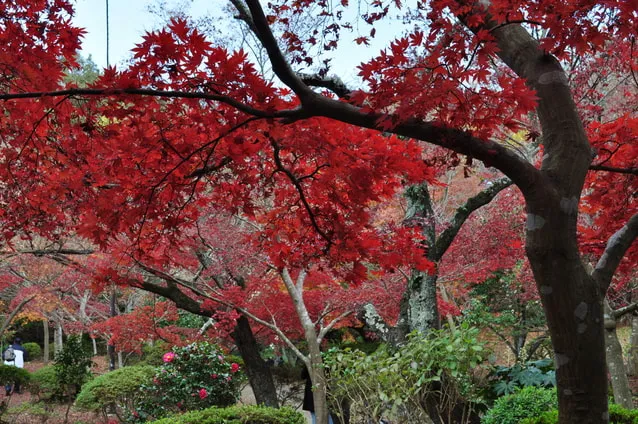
[445, 239]
[313, 104]
[334, 84]
[617, 245]
[620, 312]
[279, 63]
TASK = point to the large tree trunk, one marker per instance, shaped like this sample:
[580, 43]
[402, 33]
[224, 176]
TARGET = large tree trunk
[615, 363]
[421, 307]
[256, 368]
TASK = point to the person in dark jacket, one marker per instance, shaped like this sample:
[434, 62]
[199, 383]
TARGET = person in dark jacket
[14, 355]
[308, 401]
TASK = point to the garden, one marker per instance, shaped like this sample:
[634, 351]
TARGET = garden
[295, 211]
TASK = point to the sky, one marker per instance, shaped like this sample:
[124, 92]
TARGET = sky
[130, 19]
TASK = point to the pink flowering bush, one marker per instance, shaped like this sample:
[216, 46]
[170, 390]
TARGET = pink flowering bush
[192, 377]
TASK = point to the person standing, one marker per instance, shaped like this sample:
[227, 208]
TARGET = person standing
[14, 355]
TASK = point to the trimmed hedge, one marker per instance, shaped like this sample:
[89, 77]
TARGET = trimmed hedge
[526, 403]
[617, 415]
[243, 414]
[10, 374]
[114, 389]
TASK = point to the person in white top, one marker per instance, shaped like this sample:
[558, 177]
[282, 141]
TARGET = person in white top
[14, 355]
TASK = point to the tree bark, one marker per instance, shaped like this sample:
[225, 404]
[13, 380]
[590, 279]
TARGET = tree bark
[47, 345]
[632, 363]
[314, 361]
[615, 363]
[256, 368]
[57, 337]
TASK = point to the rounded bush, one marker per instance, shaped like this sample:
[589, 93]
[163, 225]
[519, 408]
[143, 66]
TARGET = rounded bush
[34, 351]
[10, 374]
[117, 389]
[192, 377]
[525, 403]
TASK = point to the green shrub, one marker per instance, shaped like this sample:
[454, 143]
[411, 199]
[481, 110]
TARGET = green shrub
[391, 382]
[617, 415]
[29, 411]
[244, 414]
[117, 390]
[73, 365]
[528, 402]
[192, 377]
[10, 374]
[44, 383]
[34, 351]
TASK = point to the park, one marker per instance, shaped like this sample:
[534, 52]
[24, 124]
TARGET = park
[222, 229]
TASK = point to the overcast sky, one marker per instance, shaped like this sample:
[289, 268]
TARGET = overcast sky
[130, 19]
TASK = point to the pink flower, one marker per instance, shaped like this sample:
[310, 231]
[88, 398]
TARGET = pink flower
[234, 367]
[213, 375]
[156, 380]
[168, 357]
[203, 394]
[221, 358]
[229, 378]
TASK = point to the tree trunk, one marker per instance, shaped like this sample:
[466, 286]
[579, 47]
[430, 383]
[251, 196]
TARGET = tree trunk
[256, 368]
[632, 363]
[314, 362]
[422, 308]
[573, 304]
[94, 344]
[110, 348]
[47, 346]
[57, 338]
[615, 364]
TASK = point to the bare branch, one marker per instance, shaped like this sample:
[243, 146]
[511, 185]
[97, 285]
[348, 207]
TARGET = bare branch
[617, 245]
[331, 324]
[45, 252]
[105, 92]
[445, 239]
[631, 171]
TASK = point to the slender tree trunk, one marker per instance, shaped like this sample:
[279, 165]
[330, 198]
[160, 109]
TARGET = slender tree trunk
[57, 338]
[256, 368]
[47, 344]
[615, 363]
[110, 348]
[314, 362]
[632, 363]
